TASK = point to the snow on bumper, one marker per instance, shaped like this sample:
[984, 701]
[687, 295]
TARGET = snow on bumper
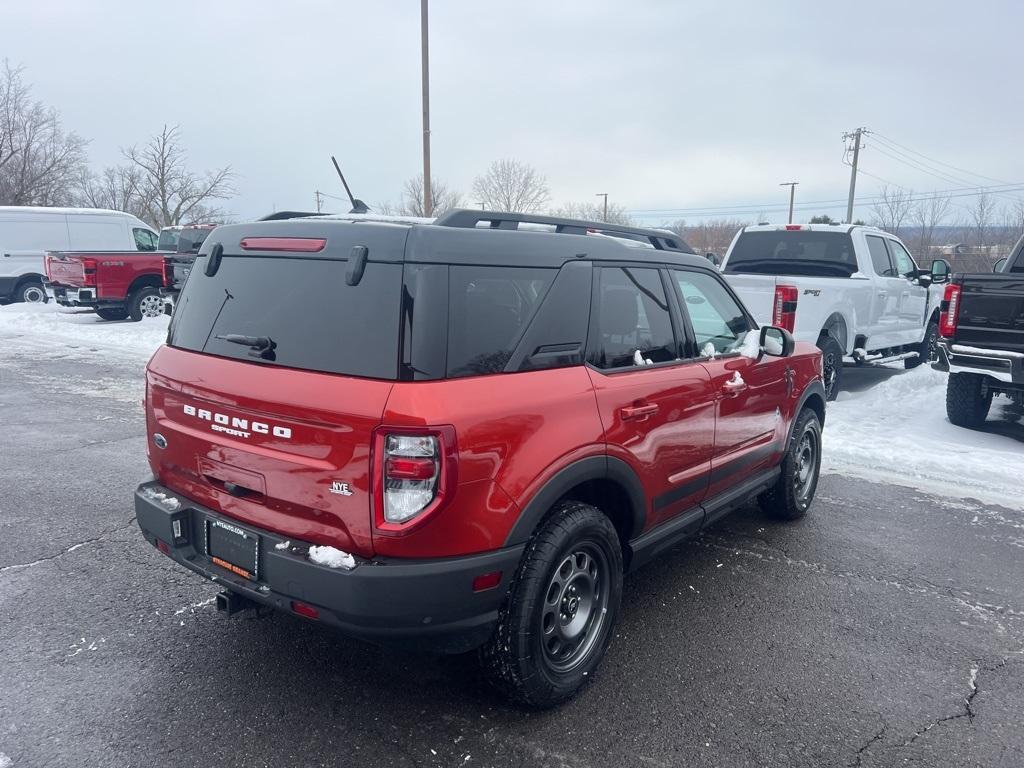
[382, 600]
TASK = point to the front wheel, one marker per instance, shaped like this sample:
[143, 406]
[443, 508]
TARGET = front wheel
[927, 350]
[112, 313]
[793, 492]
[145, 302]
[831, 364]
[558, 617]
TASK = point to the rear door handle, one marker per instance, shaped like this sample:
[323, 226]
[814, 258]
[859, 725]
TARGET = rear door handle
[638, 412]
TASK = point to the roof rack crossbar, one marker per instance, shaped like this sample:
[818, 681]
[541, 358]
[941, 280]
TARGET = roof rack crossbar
[470, 219]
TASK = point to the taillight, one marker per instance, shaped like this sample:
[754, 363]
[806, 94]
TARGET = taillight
[415, 475]
[949, 311]
[297, 244]
[794, 227]
[168, 274]
[784, 306]
[89, 272]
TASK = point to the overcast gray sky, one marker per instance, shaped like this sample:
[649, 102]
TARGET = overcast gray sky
[664, 105]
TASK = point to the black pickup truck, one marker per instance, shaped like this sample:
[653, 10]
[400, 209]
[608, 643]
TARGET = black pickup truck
[981, 326]
[178, 264]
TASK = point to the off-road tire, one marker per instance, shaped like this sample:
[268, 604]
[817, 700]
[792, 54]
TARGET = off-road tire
[968, 399]
[925, 348]
[832, 364]
[516, 659]
[793, 492]
[141, 300]
[31, 292]
[112, 313]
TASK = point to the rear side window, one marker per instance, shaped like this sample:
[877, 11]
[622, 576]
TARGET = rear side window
[793, 252]
[144, 239]
[489, 308]
[304, 306]
[633, 325]
[904, 263]
[880, 257]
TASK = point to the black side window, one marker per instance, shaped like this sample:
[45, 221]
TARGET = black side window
[632, 325]
[489, 307]
[719, 325]
[144, 239]
[880, 257]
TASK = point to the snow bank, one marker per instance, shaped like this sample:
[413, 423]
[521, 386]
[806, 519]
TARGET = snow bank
[331, 557]
[896, 431]
[53, 331]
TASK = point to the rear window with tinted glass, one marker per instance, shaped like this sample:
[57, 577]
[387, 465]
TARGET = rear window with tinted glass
[316, 321]
[786, 252]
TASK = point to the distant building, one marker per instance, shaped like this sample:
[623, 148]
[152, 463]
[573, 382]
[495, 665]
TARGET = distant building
[967, 258]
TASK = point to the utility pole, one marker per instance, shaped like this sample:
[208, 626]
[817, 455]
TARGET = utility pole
[792, 194]
[319, 207]
[605, 196]
[428, 202]
[856, 135]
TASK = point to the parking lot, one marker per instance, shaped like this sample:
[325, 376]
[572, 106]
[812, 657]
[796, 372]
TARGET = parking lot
[887, 628]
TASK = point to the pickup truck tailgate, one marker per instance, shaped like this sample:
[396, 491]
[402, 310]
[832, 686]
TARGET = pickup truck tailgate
[991, 312]
[65, 270]
[757, 292]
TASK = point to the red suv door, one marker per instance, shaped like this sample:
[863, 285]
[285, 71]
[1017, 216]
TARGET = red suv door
[750, 390]
[657, 409]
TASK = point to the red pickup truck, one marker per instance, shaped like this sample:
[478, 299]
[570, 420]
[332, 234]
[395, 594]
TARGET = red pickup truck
[117, 284]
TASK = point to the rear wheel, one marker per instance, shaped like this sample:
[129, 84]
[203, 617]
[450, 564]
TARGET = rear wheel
[112, 313]
[968, 399]
[793, 492]
[31, 292]
[927, 349]
[145, 302]
[560, 610]
[831, 363]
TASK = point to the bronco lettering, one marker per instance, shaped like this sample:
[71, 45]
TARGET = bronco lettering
[239, 427]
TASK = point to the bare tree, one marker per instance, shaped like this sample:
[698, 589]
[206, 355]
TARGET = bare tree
[511, 186]
[713, 235]
[173, 193]
[442, 197]
[39, 162]
[892, 209]
[595, 212]
[981, 214]
[120, 188]
[927, 214]
[1014, 215]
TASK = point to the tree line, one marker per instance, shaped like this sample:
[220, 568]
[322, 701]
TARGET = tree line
[43, 164]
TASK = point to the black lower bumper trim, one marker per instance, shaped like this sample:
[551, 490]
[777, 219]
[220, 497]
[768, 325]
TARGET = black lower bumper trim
[387, 601]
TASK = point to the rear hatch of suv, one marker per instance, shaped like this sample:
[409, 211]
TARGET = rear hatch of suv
[276, 374]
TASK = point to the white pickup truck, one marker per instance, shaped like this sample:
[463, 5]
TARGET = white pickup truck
[853, 290]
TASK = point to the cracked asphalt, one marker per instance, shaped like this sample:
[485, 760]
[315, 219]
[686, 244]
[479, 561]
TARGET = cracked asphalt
[886, 629]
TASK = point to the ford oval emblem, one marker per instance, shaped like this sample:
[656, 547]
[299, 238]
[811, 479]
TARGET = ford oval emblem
[159, 440]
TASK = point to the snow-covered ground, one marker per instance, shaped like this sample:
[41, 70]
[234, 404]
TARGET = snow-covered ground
[889, 425]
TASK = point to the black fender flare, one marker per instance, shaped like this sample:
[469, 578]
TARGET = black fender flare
[591, 468]
[814, 388]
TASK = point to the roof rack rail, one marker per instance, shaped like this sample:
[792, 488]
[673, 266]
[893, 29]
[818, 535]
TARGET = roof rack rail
[470, 219]
[279, 215]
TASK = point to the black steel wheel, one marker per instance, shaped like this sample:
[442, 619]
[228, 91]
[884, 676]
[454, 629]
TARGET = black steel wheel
[575, 607]
[793, 492]
[831, 365]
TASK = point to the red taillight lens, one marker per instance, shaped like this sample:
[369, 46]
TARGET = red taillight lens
[949, 311]
[89, 272]
[784, 306]
[415, 475]
[298, 244]
[168, 274]
[794, 227]
[486, 581]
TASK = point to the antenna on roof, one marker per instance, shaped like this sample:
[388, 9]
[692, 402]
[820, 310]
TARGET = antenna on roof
[358, 206]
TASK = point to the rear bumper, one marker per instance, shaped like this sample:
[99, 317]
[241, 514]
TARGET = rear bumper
[71, 297]
[1003, 368]
[430, 603]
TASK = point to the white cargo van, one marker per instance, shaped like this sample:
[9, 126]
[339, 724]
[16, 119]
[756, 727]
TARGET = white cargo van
[26, 233]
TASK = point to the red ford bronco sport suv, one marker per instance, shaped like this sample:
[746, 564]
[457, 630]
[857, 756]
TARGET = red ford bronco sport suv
[464, 433]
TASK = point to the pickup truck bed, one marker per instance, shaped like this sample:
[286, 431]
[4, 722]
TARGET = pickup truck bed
[116, 284]
[982, 344]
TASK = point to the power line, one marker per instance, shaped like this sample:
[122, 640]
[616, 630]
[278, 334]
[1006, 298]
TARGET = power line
[886, 139]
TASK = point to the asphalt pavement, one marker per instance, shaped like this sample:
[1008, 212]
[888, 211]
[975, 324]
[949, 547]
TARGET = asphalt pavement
[885, 629]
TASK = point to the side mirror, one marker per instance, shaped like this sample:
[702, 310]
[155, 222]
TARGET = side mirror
[998, 267]
[776, 342]
[924, 280]
[940, 271]
[712, 258]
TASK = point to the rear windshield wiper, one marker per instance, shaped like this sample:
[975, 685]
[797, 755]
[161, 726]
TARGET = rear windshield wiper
[262, 346]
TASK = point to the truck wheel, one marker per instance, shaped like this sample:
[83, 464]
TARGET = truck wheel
[968, 399]
[831, 363]
[112, 313]
[31, 292]
[793, 492]
[145, 302]
[562, 604]
[926, 350]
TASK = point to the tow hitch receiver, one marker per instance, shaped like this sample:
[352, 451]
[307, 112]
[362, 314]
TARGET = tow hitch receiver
[229, 603]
